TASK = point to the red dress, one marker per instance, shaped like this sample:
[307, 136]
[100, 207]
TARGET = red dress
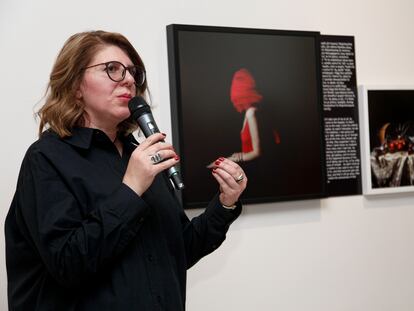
[246, 138]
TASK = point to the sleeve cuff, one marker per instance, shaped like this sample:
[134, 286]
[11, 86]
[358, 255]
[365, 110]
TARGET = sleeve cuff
[128, 205]
[228, 215]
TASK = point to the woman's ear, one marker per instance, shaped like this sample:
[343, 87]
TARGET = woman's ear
[78, 94]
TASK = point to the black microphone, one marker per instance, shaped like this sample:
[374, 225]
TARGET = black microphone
[141, 112]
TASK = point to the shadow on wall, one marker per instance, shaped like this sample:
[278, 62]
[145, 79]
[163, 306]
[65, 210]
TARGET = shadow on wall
[389, 200]
[274, 214]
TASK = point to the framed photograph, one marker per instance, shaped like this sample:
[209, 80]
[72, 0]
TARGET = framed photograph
[253, 96]
[387, 138]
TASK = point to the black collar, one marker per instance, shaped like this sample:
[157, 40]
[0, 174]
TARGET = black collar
[82, 137]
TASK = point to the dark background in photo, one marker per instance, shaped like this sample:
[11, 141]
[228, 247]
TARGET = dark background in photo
[388, 106]
[285, 66]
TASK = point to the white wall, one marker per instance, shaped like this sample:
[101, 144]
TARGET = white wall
[347, 253]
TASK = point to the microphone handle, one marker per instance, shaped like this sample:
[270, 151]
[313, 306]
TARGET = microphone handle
[149, 127]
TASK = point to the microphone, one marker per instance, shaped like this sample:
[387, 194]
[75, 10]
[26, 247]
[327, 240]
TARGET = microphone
[141, 113]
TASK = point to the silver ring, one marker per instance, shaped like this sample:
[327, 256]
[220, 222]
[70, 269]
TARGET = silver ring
[239, 179]
[156, 158]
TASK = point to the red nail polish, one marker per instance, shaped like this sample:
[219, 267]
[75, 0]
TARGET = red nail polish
[177, 158]
[217, 162]
[221, 159]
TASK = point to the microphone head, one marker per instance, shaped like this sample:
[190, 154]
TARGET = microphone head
[138, 106]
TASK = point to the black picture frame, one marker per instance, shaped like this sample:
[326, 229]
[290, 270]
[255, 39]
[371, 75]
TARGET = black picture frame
[285, 66]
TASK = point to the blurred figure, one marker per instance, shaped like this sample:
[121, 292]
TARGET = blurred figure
[245, 98]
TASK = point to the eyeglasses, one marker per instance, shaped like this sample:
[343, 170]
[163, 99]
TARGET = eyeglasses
[117, 71]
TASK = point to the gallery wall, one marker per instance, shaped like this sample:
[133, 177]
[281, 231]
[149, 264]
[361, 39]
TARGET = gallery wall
[342, 253]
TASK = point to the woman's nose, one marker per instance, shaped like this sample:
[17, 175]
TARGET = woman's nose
[129, 78]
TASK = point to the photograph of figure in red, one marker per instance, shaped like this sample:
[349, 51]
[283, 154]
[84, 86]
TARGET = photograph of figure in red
[254, 99]
[246, 99]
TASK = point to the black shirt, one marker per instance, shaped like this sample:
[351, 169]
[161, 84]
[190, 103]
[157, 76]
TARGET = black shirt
[77, 238]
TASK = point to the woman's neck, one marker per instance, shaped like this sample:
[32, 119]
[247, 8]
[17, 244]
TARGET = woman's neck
[111, 132]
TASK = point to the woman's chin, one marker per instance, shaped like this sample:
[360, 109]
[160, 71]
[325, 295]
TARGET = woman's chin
[122, 114]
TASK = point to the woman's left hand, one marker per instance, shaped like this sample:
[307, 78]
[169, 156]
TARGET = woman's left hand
[231, 179]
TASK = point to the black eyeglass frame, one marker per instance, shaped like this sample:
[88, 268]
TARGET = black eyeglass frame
[129, 68]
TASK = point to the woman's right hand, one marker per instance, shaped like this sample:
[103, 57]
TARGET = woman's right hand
[141, 169]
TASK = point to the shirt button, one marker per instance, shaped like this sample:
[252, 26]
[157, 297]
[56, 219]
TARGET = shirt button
[159, 298]
[150, 257]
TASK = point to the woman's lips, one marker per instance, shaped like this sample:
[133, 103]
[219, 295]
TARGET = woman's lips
[125, 96]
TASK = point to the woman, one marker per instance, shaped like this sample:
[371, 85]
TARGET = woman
[93, 224]
[244, 97]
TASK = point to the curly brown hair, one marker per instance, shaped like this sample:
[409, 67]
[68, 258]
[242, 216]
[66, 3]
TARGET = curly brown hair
[61, 110]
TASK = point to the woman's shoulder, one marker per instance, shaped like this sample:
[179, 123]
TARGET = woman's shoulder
[250, 112]
[48, 142]
[46, 139]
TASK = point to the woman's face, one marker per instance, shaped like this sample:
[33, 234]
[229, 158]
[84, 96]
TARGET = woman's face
[106, 101]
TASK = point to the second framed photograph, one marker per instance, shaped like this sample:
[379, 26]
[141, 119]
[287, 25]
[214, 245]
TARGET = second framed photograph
[252, 96]
[387, 138]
